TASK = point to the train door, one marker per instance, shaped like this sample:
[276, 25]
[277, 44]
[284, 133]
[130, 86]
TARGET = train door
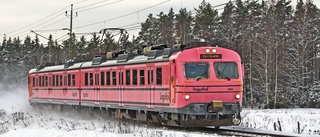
[97, 86]
[172, 83]
[150, 86]
[49, 80]
[121, 85]
[64, 87]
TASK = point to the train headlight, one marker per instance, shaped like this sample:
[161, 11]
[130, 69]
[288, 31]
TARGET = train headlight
[214, 50]
[207, 50]
[187, 97]
[237, 96]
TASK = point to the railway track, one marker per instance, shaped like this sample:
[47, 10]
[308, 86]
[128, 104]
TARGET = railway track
[234, 131]
[248, 132]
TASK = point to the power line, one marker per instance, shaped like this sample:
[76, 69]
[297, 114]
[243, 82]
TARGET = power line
[101, 5]
[38, 25]
[80, 2]
[91, 4]
[124, 15]
[36, 21]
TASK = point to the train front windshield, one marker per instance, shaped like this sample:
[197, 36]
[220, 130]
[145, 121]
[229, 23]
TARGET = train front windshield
[196, 70]
[226, 70]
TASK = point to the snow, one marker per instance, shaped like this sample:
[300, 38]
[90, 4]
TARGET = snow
[19, 120]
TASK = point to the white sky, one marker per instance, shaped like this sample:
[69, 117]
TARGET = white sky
[18, 17]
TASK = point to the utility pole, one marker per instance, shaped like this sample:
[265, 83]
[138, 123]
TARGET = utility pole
[70, 30]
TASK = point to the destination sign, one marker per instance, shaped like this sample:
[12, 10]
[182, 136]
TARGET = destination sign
[210, 56]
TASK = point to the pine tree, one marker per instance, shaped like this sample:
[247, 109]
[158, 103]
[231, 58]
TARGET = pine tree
[183, 24]
[206, 22]
[166, 27]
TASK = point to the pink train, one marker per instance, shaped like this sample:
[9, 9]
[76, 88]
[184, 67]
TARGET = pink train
[189, 86]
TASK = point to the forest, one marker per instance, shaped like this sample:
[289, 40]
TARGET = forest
[279, 44]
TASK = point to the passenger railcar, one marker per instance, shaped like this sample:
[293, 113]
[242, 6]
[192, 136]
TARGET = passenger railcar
[188, 86]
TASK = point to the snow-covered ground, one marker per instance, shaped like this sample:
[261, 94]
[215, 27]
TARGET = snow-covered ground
[19, 120]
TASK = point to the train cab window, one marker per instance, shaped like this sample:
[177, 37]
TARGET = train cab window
[114, 78]
[142, 76]
[196, 70]
[102, 78]
[108, 78]
[86, 78]
[159, 76]
[127, 77]
[226, 70]
[90, 79]
[69, 79]
[134, 77]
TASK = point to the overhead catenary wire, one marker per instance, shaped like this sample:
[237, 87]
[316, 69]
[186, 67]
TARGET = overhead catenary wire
[27, 26]
[100, 6]
[20, 33]
[30, 26]
[127, 27]
[86, 6]
[124, 15]
[80, 2]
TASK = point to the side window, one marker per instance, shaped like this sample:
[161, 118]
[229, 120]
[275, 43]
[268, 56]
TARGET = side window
[86, 78]
[108, 78]
[141, 76]
[46, 82]
[127, 77]
[73, 79]
[134, 77]
[37, 81]
[53, 80]
[69, 79]
[42, 81]
[102, 78]
[33, 82]
[159, 76]
[57, 80]
[60, 80]
[91, 79]
[114, 78]
[50, 80]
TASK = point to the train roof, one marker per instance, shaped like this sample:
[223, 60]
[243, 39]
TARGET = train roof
[156, 53]
[103, 62]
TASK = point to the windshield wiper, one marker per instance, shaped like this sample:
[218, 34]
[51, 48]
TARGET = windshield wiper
[223, 75]
[201, 76]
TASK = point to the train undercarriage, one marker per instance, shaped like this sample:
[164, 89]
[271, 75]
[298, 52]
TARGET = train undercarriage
[215, 119]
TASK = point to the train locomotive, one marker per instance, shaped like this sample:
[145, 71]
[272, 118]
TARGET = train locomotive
[192, 85]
